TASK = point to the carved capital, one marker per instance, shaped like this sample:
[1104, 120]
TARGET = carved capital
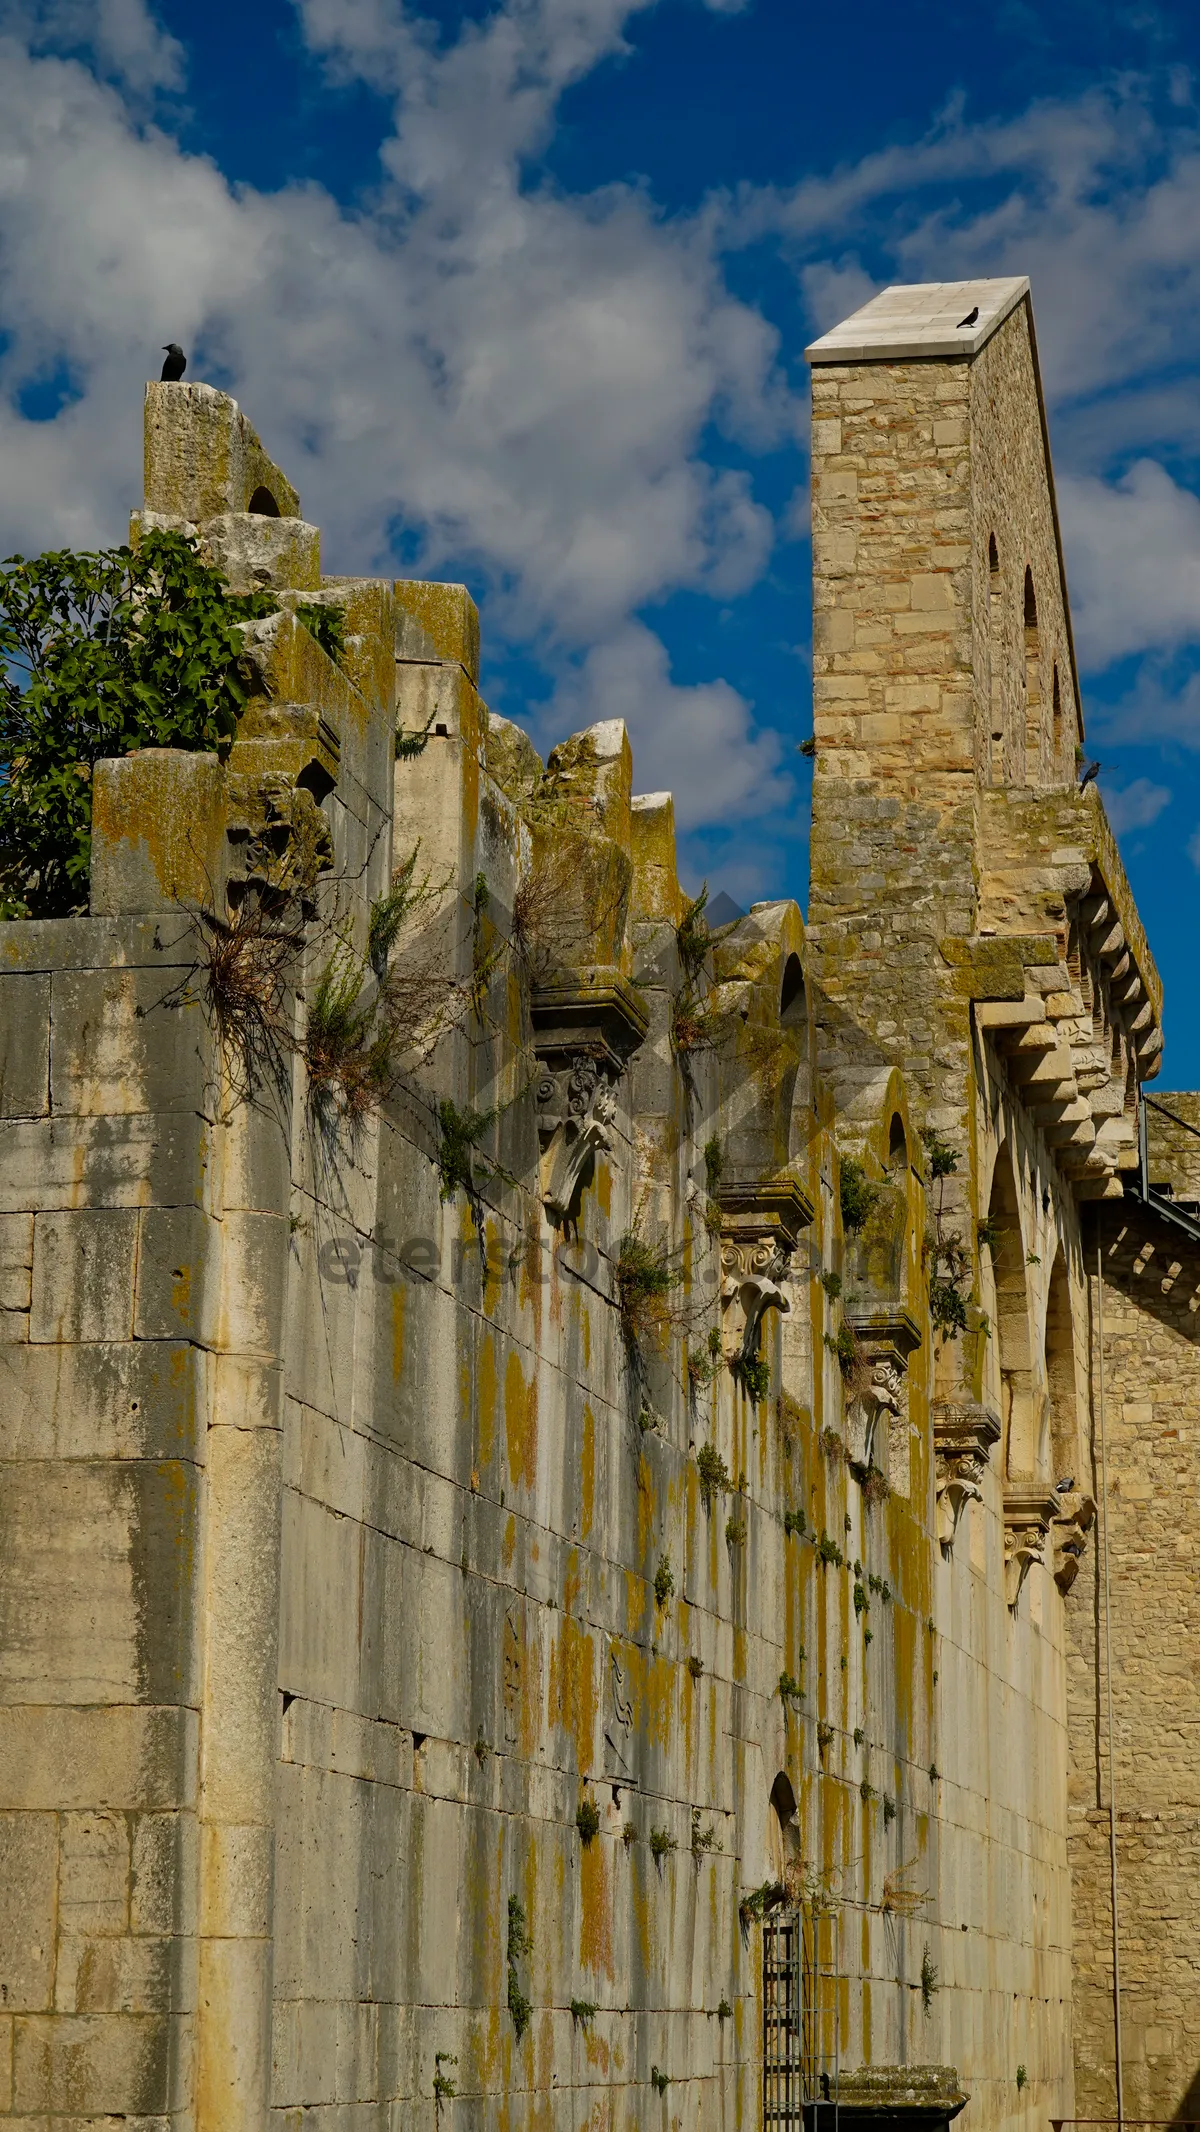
[752, 1270]
[576, 1105]
[771, 1208]
[963, 1435]
[596, 1011]
[1076, 1516]
[1030, 1509]
[886, 1338]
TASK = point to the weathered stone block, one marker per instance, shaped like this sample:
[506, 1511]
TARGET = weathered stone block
[178, 1270]
[158, 833]
[94, 1582]
[83, 1271]
[93, 1891]
[203, 458]
[28, 1872]
[24, 1046]
[94, 2065]
[125, 1041]
[437, 622]
[100, 1756]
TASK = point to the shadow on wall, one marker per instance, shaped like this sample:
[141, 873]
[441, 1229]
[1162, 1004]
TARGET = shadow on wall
[1188, 2111]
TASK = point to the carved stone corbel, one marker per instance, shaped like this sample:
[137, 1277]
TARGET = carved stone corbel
[751, 1272]
[1029, 1512]
[886, 1339]
[963, 1435]
[1076, 1516]
[760, 1222]
[576, 1105]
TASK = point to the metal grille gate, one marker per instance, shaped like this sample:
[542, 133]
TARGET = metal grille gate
[801, 2019]
[783, 2021]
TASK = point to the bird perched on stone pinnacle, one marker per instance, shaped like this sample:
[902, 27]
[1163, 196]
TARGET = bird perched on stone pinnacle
[1086, 775]
[175, 364]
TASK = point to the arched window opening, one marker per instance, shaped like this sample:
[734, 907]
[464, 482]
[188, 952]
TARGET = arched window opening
[1007, 1305]
[783, 1835]
[1061, 1455]
[995, 688]
[793, 1000]
[796, 1085]
[897, 1145]
[262, 504]
[1033, 685]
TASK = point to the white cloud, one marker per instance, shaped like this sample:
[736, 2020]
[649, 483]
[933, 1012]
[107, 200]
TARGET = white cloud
[1134, 546]
[1097, 199]
[122, 37]
[1136, 805]
[523, 377]
[699, 742]
[1152, 711]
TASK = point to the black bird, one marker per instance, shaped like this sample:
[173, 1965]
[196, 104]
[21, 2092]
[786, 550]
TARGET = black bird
[1091, 771]
[175, 364]
[970, 318]
[1064, 1487]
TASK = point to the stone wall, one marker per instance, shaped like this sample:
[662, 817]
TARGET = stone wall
[493, 1536]
[1151, 1384]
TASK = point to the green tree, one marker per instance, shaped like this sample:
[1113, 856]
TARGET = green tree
[103, 654]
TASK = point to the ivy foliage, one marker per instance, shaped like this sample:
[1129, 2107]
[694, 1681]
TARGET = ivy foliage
[103, 654]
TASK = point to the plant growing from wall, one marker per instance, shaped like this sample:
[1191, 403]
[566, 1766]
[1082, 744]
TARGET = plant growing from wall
[714, 1164]
[789, 1689]
[587, 1821]
[389, 912]
[661, 1842]
[644, 1276]
[664, 1581]
[857, 1195]
[444, 2089]
[704, 1363]
[714, 1474]
[929, 1980]
[1022, 2078]
[326, 624]
[876, 1486]
[660, 2082]
[793, 1522]
[889, 1811]
[520, 1944]
[724, 2010]
[410, 744]
[828, 1551]
[247, 960]
[583, 2012]
[832, 1445]
[947, 1261]
[703, 1839]
[754, 1906]
[349, 1048]
[459, 1135]
[695, 1666]
[753, 1373]
[832, 1284]
[824, 1735]
[693, 936]
[629, 1835]
[735, 1531]
[101, 655]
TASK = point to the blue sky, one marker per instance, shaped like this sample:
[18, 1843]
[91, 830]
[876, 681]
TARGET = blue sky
[519, 294]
